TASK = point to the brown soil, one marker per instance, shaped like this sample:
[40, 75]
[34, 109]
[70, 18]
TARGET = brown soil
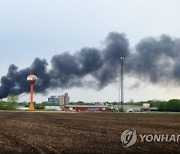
[84, 132]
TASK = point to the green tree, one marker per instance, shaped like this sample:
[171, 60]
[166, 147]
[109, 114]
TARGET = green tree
[80, 103]
[11, 98]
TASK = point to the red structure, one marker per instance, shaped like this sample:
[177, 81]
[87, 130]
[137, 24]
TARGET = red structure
[31, 79]
[86, 107]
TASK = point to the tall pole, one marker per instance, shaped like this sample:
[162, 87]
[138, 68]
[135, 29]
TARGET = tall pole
[32, 91]
[122, 80]
[31, 107]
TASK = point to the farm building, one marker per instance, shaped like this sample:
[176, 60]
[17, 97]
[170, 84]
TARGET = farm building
[86, 108]
[53, 108]
[22, 108]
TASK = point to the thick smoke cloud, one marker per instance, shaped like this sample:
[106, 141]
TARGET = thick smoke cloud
[155, 59]
[16, 81]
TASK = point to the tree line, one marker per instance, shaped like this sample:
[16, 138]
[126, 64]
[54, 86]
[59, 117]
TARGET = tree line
[170, 105]
[13, 101]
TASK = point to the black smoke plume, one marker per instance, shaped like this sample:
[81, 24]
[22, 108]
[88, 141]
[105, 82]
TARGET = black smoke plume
[155, 59]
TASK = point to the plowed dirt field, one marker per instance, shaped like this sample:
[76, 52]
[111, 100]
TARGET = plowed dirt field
[84, 132]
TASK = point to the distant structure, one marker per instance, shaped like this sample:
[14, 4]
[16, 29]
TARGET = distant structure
[53, 108]
[87, 107]
[64, 100]
[31, 79]
[121, 85]
[61, 100]
[53, 99]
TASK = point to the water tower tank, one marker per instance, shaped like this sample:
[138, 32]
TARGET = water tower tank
[32, 78]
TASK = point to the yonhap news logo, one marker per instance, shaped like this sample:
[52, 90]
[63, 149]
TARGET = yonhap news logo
[130, 137]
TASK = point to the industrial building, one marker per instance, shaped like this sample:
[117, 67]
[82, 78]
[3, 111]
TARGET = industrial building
[53, 108]
[61, 100]
[64, 100]
[53, 99]
[86, 107]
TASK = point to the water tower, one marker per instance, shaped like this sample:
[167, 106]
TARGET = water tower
[31, 79]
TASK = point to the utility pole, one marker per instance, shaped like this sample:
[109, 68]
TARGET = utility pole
[121, 85]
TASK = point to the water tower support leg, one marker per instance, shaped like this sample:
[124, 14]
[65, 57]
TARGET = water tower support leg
[31, 106]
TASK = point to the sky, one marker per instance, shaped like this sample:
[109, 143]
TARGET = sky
[44, 28]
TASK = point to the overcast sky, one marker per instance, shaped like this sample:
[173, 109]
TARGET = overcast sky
[44, 28]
